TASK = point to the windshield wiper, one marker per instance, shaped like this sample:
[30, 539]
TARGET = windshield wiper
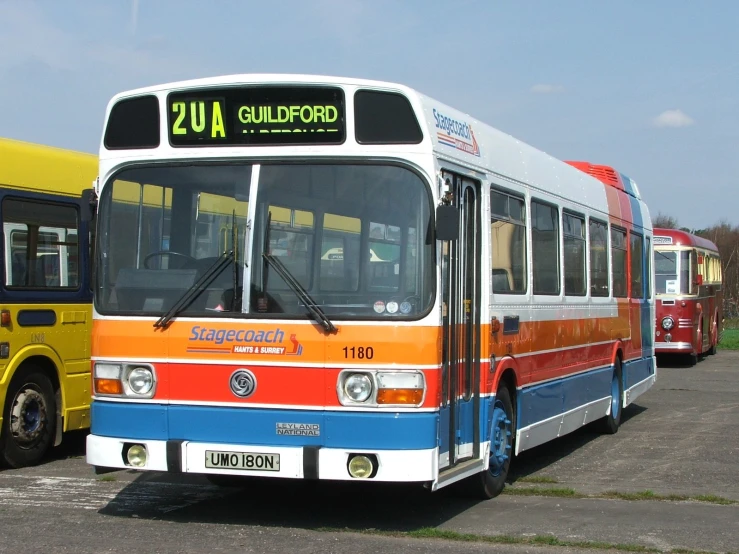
[291, 281]
[196, 288]
[300, 292]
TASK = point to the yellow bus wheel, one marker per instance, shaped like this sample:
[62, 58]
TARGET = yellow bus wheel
[29, 419]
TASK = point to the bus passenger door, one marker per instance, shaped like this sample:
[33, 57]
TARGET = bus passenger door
[460, 425]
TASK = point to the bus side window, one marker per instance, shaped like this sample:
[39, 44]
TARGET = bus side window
[545, 247]
[637, 265]
[648, 268]
[599, 271]
[619, 260]
[508, 242]
[40, 244]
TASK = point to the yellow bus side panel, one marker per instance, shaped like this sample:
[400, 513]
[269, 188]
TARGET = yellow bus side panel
[63, 347]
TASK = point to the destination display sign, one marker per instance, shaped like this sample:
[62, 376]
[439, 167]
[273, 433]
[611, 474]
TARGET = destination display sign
[257, 115]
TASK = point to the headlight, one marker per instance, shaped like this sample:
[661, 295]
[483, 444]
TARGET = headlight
[132, 380]
[358, 387]
[140, 380]
[668, 323]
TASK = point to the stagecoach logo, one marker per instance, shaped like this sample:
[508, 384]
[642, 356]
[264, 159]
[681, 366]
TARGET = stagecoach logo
[243, 383]
[455, 133]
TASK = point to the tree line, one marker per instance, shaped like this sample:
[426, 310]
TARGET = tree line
[726, 237]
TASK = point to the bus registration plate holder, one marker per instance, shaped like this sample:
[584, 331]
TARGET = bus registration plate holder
[249, 461]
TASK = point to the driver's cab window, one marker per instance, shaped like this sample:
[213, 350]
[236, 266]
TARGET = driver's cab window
[181, 222]
[142, 212]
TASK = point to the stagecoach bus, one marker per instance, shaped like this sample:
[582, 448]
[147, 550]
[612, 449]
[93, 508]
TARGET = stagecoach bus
[339, 279]
[45, 298]
[689, 298]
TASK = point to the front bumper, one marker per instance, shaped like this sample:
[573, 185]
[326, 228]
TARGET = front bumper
[666, 347]
[309, 462]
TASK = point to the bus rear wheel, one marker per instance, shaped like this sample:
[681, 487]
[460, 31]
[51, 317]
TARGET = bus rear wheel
[610, 423]
[490, 483]
[29, 419]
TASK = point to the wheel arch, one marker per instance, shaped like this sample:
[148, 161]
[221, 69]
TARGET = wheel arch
[47, 362]
[618, 353]
[507, 373]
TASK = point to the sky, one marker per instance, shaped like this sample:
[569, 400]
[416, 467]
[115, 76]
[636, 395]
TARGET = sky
[650, 87]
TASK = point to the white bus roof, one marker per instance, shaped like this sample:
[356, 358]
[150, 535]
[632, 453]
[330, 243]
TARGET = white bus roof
[449, 134]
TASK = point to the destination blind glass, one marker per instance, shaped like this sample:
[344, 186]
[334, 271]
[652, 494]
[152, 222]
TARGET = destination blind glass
[256, 116]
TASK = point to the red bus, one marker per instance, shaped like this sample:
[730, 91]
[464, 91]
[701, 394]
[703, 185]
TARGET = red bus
[688, 290]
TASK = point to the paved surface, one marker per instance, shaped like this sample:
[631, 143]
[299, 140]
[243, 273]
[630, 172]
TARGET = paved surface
[682, 437]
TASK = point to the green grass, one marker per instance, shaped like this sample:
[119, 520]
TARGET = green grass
[713, 499]
[542, 491]
[729, 340]
[640, 495]
[108, 478]
[536, 540]
[536, 479]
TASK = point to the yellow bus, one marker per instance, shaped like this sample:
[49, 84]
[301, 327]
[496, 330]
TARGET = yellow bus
[45, 298]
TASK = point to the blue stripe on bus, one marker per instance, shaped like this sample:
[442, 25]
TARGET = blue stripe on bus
[371, 431]
[465, 415]
[628, 187]
[540, 402]
[635, 371]
[535, 403]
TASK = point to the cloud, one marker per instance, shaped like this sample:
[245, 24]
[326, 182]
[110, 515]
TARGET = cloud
[547, 89]
[29, 36]
[673, 118]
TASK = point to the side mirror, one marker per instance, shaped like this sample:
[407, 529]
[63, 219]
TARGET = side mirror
[447, 223]
[89, 201]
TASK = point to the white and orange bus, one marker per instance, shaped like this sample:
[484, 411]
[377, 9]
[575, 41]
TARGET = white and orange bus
[327, 278]
[688, 282]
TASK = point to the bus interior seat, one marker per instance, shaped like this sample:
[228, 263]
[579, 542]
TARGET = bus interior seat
[20, 275]
[18, 271]
[501, 282]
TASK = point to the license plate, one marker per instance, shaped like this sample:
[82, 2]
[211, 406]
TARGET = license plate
[252, 461]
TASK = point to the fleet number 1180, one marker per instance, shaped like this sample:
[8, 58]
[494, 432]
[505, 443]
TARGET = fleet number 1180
[359, 352]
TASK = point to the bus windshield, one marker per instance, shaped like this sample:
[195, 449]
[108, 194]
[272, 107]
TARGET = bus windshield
[672, 272]
[355, 237]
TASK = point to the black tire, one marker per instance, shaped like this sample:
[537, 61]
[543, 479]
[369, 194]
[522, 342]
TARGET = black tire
[491, 482]
[29, 419]
[610, 423]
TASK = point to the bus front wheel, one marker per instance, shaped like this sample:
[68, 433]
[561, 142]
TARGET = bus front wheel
[29, 419]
